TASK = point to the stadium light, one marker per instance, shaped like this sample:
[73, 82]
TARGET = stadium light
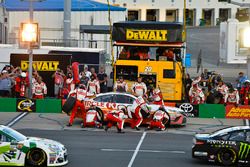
[29, 32]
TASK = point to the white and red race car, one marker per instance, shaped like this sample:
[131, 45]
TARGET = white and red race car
[106, 102]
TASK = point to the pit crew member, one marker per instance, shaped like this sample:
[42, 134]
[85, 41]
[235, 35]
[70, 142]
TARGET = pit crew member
[80, 93]
[232, 96]
[196, 95]
[158, 118]
[116, 116]
[120, 85]
[137, 107]
[139, 88]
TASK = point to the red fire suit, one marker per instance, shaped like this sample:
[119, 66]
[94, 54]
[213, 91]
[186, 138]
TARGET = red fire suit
[20, 86]
[245, 94]
[93, 87]
[138, 104]
[80, 96]
[139, 89]
[92, 118]
[196, 95]
[157, 120]
[157, 96]
[39, 90]
[232, 97]
[116, 116]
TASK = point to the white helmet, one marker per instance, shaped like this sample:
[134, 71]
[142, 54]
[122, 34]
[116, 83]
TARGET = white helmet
[23, 74]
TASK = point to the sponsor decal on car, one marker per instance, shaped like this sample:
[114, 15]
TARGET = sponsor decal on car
[221, 142]
[241, 112]
[244, 150]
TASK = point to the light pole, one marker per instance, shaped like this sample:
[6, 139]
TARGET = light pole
[30, 36]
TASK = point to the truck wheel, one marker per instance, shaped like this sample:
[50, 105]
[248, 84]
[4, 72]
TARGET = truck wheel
[36, 157]
[227, 157]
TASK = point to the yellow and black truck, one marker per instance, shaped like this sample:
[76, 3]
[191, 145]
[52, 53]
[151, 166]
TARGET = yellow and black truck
[153, 50]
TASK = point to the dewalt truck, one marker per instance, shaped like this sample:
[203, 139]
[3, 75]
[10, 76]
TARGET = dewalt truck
[152, 50]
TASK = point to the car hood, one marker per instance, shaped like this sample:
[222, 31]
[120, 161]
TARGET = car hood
[44, 141]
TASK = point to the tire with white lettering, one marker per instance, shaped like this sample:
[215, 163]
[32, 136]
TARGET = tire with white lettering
[227, 156]
[36, 157]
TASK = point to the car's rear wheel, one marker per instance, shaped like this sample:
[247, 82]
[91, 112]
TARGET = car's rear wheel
[227, 157]
[36, 157]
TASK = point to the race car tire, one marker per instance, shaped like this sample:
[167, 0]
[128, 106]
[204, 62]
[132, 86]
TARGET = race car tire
[227, 157]
[100, 112]
[166, 122]
[68, 105]
[36, 157]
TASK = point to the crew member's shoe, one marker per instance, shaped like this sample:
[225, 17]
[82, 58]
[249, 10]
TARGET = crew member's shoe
[137, 128]
[69, 124]
[106, 128]
[120, 131]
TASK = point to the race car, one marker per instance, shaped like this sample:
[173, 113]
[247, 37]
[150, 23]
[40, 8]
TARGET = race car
[19, 150]
[106, 102]
[227, 146]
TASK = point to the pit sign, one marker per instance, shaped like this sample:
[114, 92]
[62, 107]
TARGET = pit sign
[241, 112]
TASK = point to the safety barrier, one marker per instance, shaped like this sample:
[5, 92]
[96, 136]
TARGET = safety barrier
[30, 105]
[55, 106]
[211, 111]
[7, 104]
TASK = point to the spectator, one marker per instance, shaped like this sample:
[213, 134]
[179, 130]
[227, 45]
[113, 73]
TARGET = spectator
[125, 53]
[87, 72]
[187, 82]
[92, 70]
[245, 93]
[240, 80]
[83, 78]
[21, 85]
[204, 78]
[103, 78]
[58, 82]
[69, 69]
[39, 89]
[93, 86]
[120, 85]
[5, 84]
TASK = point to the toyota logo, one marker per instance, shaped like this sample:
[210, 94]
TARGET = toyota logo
[186, 107]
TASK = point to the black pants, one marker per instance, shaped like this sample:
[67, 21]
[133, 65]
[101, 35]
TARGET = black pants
[4, 93]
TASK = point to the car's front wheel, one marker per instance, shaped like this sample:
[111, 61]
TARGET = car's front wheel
[36, 157]
[227, 157]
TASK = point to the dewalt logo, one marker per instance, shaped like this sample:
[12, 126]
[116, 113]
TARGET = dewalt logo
[146, 35]
[244, 151]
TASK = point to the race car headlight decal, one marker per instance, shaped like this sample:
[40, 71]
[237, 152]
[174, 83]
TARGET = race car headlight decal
[54, 148]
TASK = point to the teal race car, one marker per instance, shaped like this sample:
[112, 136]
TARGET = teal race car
[19, 150]
[227, 146]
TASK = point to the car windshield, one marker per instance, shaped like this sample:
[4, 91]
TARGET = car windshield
[14, 134]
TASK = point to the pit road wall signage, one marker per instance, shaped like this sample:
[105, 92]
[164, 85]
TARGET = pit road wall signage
[26, 105]
[240, 112]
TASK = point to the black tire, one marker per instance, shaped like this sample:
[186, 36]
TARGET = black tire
[227, 157]
[69, 104]
[101, 114]
[166, 122]
[36, 157]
